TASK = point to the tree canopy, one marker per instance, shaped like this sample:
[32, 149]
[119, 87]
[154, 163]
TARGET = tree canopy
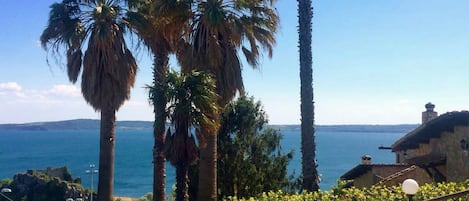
[251, 160]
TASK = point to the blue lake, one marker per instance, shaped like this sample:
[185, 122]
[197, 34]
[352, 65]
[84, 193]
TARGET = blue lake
[337, 152]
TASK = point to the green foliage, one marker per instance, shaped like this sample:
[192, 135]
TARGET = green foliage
[250, 158]
[431, 191]
[191, 100]
[394, 193]
[147, 197]
[5, 182]
[191, 107]
[40, 187]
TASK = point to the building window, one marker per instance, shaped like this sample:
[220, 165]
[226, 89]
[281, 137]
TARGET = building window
[464, 145]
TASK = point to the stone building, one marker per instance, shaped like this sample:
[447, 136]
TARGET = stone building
[436, 151]
[440, 146]
[367, 174]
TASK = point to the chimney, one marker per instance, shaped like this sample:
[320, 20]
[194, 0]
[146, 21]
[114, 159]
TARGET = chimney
[429, 114]
[366, 159]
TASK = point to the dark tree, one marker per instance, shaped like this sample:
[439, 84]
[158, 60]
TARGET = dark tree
[251, 160]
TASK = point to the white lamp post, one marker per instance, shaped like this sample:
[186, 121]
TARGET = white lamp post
[5, 190]
[410, 187]
[91, 171]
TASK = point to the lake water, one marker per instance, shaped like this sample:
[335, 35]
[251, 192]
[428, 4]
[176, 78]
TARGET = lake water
[337, 152]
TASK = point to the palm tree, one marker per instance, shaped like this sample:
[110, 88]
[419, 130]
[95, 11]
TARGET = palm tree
[108, 66]
[308, 145]
[158, 25]
[191, 103]
[218, 30]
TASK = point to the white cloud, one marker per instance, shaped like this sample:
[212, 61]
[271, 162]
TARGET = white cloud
[59, 102]
[65, 90]
[10, 86]
[22, 104]
[12, 92]
[11, 89]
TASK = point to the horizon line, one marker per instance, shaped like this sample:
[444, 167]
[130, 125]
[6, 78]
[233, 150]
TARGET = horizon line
[276, 124]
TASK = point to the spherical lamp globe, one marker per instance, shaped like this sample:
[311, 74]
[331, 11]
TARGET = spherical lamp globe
[410, 186]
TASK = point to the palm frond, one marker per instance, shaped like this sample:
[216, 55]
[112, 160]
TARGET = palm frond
[222, 28]
[74, 61]
[109, 67]
[65, 30]
[64, 27]
[192, 101]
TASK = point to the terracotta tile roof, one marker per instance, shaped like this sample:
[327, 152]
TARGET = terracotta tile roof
[364, 168]
[428, 160]
[432, 129]
[397, 176]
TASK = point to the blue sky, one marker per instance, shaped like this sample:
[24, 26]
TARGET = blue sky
[375, 62]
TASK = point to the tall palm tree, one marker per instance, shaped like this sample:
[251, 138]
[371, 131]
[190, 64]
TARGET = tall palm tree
[158, 25]
[109, 68]
[191, 102]
[219, 29]
[308, 145]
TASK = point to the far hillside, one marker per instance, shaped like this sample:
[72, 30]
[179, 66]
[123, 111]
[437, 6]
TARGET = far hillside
[91, 124]
[77, 124]
[399, 128]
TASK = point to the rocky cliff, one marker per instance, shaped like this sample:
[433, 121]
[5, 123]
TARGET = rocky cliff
[51, 184]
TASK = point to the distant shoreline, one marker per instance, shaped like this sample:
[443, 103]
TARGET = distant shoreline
[92, 124]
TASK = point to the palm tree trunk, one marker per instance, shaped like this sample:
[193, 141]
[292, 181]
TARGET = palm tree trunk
[193, 174]
[159, 105]
[308, 145]
[182, 193]
[106, 155]
[208, 170]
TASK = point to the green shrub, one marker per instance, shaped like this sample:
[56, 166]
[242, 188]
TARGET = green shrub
[146, 197]
[394, 193]
[5, 182]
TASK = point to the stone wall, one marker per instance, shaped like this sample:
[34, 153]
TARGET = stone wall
[417, 174]
[457, 160]
[380, 172]
[60, 172]
[385, 171]
[365, 180]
